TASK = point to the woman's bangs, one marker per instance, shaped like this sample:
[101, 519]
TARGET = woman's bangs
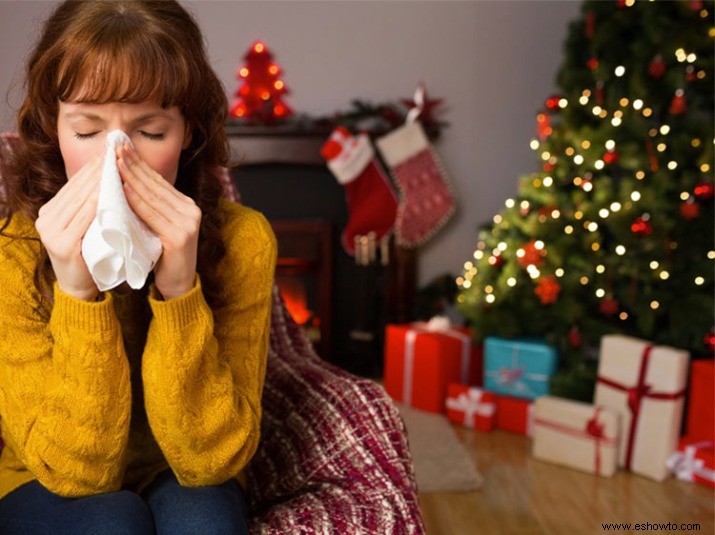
[131, 74]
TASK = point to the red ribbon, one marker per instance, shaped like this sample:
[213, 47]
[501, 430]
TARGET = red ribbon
[635, 398]
[594, 431]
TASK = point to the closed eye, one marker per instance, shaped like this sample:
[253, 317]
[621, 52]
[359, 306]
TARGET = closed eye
[147, 135]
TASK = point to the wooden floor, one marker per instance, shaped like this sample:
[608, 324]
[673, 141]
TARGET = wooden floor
[525, 496]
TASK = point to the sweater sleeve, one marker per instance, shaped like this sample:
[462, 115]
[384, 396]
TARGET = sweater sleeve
[203, 373]
[65, 393]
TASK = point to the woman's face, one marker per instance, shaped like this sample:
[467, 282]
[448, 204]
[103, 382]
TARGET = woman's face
[158, 134]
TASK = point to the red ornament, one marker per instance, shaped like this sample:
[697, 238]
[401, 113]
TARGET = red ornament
[584, 182]
[689, 209]
[552, 102]
[704, 191]
[642, 227]
[592, 64]
[696, 5]
[621, 3]
[608, 307]
[548, 290]
[574, 337]
[656, 68]
[548, 167]
[678, 105]
[531, 255]
[496, 261]
[690, 75]
[709, 341]
[611, 157]
[543, 126]
[259, 98]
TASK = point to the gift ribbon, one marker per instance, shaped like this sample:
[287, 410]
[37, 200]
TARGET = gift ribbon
[509, 377]
[594, 430]
[635, 398]
[436, 325]
[471, 403]
[686, 466]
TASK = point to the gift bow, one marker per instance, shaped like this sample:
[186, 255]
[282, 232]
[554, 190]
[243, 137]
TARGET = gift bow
[471, 403]
[437, 324]
[686, 466]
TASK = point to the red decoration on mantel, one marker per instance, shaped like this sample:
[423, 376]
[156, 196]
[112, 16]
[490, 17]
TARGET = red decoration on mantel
[258, 100]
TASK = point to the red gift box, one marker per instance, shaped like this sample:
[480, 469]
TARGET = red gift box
[701, 401]
[515, 414]
[471, 407]
[694, 461]
[422, 359]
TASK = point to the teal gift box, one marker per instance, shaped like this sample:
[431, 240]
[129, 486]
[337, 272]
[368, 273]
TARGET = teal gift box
[520, 367]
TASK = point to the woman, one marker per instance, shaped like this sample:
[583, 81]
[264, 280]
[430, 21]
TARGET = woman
[128, 411]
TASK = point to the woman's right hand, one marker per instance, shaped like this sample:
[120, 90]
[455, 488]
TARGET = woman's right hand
[62, 223]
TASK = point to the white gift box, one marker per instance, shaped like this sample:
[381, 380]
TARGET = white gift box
[576, 434]
[645, 385]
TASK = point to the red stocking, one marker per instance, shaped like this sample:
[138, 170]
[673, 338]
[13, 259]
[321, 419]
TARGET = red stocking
[371, 202]
[427, 200]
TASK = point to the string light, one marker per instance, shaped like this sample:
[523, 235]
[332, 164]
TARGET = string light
[598, 164]
[600, 292]
[661, 147]
[585, 143]
[511, 281]
[490, 298]
[620, 71]
[664, 129]
[623, 315]
[548, 181]
[640, 175]
[502, 246]
[654, 265]
[488, 288]
[600, 268]
[510, 203]
[468, 265]
[578, 159]
[664, 275]
[603, 213]
[534, 144]
[559, 272]
[635, 196]
[615, 206]
[497, 219]
[647, 112]
[596, 110]
[637, 104]
[699, 281]
[467, 284]
[595, 246]
[610, 144]
[711, 255]
[460, 281]
[620, 250]
[654, 305]
[592, 226]
[584, 280]
[568, 229]
[705, 168]
[478, 255]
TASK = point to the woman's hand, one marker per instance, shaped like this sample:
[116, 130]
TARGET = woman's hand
[173, 216]
[62, 223]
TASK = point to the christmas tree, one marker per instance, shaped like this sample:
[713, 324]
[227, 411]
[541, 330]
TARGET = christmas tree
[259, 99]
[614, 232]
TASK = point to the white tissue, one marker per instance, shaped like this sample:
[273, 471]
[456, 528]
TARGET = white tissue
[118, 246]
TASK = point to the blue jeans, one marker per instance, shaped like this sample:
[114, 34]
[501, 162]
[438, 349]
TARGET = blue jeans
[164, 507]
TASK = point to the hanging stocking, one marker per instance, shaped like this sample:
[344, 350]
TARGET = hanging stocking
[427, 200]
[372, 205]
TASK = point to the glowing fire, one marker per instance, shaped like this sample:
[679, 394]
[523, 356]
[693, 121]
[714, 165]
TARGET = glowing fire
[293, 293]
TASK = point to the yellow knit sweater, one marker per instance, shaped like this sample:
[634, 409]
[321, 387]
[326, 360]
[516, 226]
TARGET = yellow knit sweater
[97, 397]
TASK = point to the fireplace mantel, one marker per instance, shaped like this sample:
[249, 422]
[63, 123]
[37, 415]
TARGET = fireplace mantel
[254, 145]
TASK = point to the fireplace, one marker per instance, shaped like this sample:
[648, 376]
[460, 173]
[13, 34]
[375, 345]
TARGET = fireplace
[342, 306]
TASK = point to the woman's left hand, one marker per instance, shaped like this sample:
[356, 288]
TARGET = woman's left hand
[172, 216]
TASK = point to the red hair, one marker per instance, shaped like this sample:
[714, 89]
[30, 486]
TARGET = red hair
[122, 51]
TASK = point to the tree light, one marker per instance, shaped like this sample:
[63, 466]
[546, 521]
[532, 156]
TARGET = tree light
[620, 250]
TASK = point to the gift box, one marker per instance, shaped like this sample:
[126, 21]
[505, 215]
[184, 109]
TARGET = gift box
[575, 434]
[422, 359]
[645, 385]
[519, 367]
[701, 401]
[515, 414]
[471, 407]
[694, 461]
